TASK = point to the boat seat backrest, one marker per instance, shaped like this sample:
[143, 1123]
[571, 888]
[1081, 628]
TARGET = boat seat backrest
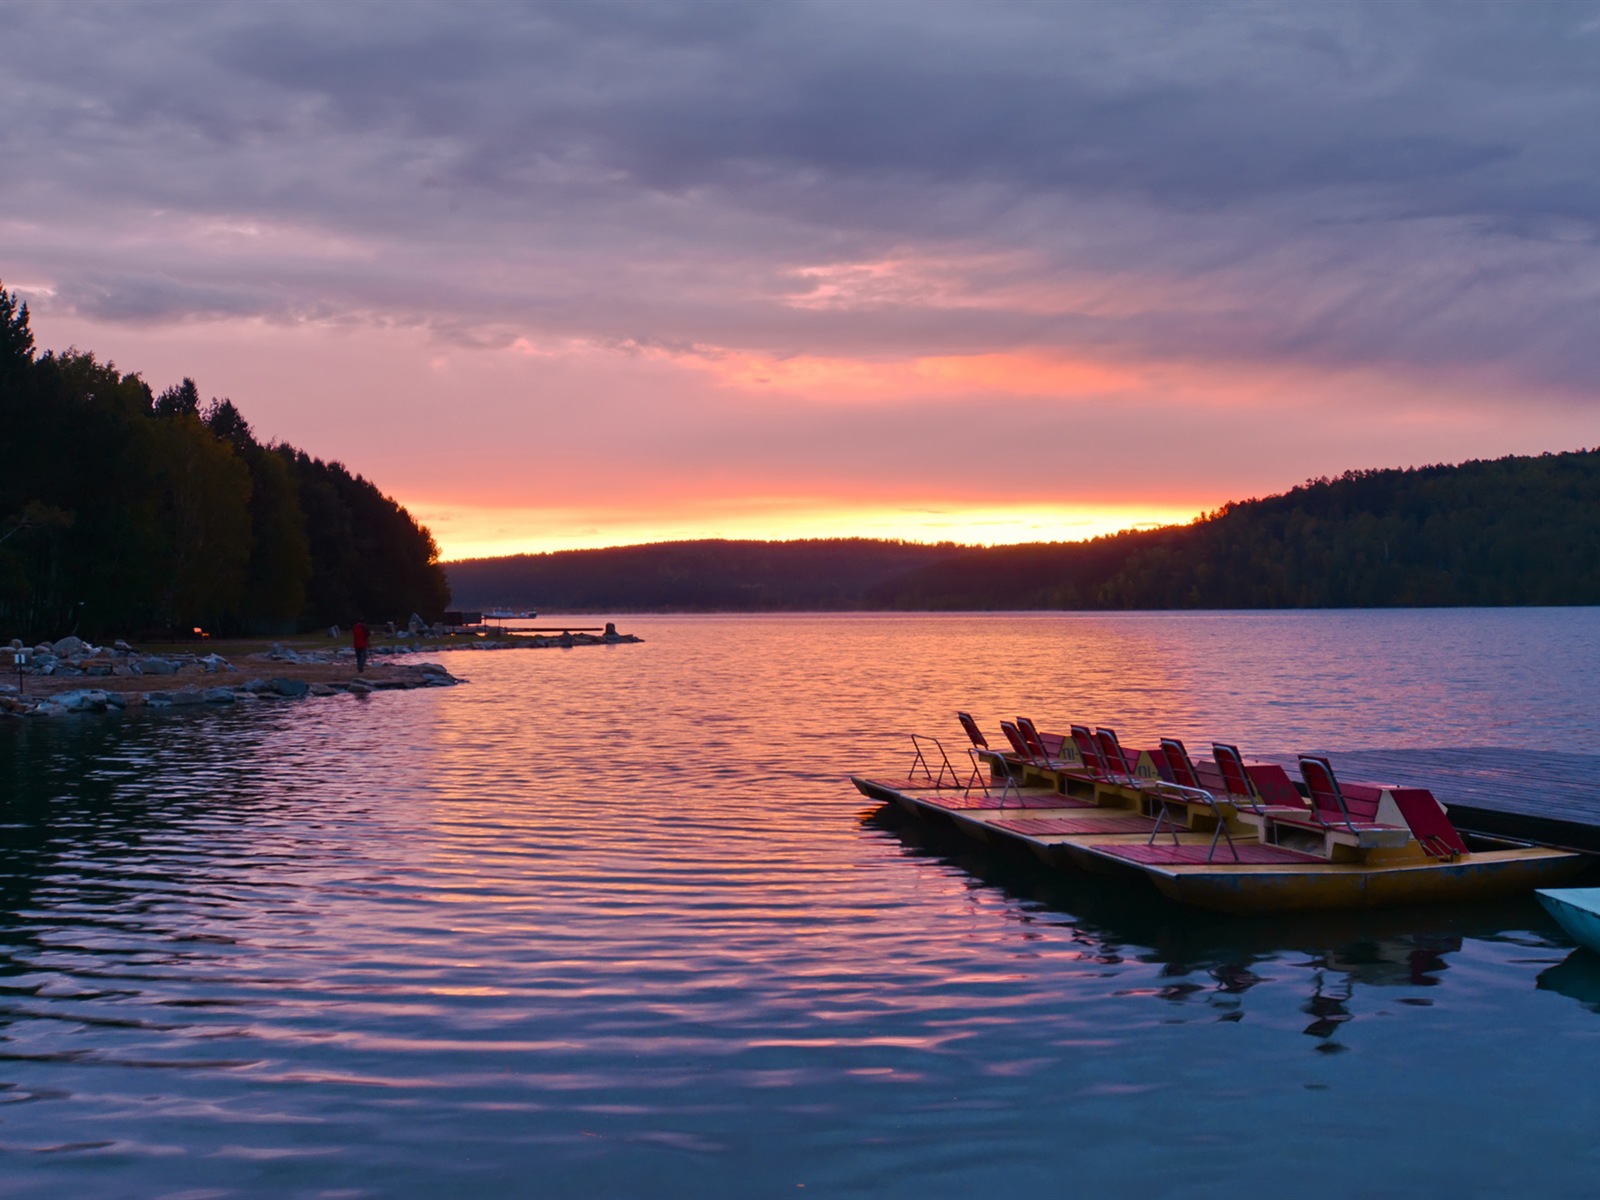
[1428, 822]
[1178, 764]
[1088, 750]
[1235, 778]
[1328, 803]
[1031, 739]
[1014, 736]
[1111, 750]
[974, 734]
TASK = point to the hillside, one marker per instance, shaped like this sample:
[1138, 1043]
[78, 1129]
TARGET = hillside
[1511, 531]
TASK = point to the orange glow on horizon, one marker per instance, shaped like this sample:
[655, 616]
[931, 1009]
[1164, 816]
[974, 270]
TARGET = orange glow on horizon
[491, 532]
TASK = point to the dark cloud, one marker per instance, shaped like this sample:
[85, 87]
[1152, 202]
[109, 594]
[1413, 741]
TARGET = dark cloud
[1403, 183]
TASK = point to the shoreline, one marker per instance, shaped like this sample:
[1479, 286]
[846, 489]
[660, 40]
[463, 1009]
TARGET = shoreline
[74, 676]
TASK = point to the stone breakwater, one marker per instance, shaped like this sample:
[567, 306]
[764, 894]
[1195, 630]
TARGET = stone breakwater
[70, 676]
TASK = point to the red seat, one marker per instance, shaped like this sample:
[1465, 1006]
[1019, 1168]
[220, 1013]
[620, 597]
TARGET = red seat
[974, 734]
[1330, 808]
[1186, 790]
[1429, 824]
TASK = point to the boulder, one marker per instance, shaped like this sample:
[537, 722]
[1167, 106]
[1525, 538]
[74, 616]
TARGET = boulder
[255, 686]
[215, 662]
[416, 625]
[188, 695]
[69, 646]
[153, 666]
[293, 688]
[218, 695]
[323, 689]
[121, 645]
[82, 700]
[358, 687]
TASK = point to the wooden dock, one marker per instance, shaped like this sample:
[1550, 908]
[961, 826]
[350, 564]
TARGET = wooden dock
[1541, 795]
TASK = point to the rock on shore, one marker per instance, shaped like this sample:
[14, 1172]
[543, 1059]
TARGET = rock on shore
[46, 682]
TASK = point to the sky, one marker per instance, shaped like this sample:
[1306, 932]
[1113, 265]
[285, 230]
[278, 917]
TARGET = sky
[599, 273]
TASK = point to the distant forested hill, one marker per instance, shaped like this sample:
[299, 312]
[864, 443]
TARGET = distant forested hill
[705, 576]
[124, 513]
[1503, 532]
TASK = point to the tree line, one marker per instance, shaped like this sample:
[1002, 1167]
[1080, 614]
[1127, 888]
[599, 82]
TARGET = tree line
[124, 512]
[1509, 531]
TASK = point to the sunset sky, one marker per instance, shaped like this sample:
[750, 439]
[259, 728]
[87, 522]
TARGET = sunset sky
[561, 275]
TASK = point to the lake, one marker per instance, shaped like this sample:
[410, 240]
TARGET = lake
[612, 922]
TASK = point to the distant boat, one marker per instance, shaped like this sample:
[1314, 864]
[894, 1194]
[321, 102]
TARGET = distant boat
[506, 614]
[1578, 911]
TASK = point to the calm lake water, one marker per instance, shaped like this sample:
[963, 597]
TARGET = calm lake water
[611, 922]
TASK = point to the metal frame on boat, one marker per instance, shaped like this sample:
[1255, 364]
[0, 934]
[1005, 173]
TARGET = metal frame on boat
[1224, 834]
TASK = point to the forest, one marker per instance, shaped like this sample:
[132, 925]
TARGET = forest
[127, 513]
[1509, 531]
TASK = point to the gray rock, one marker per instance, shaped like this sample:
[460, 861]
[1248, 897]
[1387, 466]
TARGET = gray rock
[358, 687]
[69, 646]
[82, 700]
[218, 695]
[215, 662]
[255, 686]
[121, 645]
[294, 688]
[116, 700]
[188, 695]
[153, 666]
[323, 689]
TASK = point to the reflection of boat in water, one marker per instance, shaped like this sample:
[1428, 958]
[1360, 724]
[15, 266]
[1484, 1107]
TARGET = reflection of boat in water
[1345, 963]
[1223, 834]
[1577, 910]
[1577, 978]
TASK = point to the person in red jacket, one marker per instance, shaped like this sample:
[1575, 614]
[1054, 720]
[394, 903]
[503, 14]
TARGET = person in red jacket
[358, 638]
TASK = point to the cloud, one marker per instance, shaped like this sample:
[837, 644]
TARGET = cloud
[951, 203]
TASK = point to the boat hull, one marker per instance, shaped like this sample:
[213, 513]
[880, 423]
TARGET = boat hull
[1482, 876]
[1578, 911]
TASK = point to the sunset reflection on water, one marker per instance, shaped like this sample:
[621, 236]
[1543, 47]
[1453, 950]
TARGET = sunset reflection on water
[612, 918]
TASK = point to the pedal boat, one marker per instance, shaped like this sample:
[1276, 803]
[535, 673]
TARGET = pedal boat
[1577, 910]
[1268, 847]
